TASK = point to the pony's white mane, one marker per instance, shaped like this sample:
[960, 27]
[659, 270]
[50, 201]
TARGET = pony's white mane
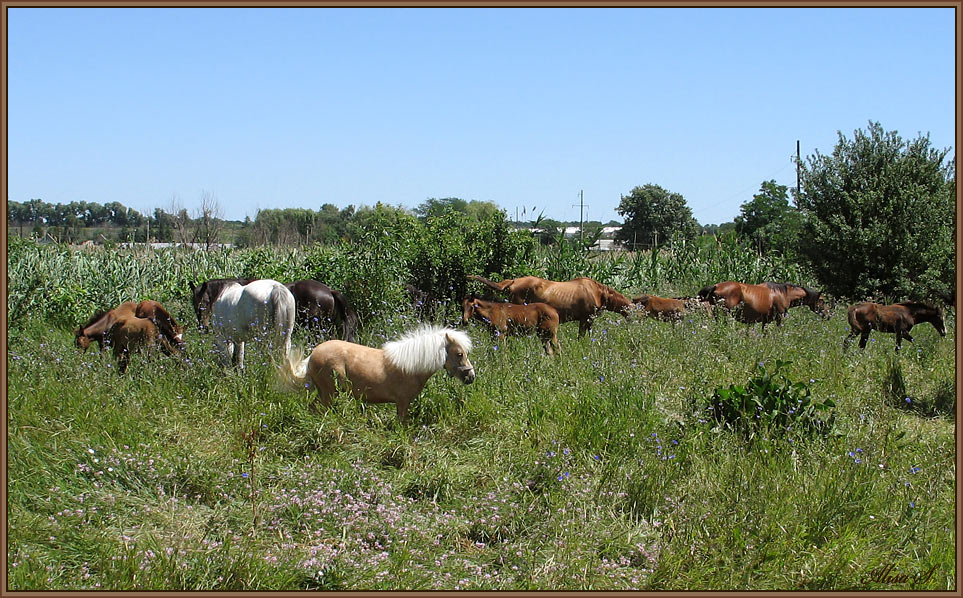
[422, 350]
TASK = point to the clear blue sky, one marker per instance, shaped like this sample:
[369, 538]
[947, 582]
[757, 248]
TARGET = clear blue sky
[269, 108]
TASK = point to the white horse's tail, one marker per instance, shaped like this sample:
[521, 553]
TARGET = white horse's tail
[284, 313]
[294, 371]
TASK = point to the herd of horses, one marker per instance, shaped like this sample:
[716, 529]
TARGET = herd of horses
[239, 310]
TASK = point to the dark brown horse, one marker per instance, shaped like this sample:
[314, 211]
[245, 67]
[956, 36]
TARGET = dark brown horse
[580, 299]
[98, 325]
[898, 318]
[130, 334]
[749, 303]
[204, 294]
[317, 303]
[511, 318]
[799, 295]
[661, 308]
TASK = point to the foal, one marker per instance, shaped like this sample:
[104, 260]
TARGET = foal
[661, 308]
[129, 334]
[898, 318]
[540, 318]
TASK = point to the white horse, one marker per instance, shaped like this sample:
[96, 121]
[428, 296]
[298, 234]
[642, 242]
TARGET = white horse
[396, 373]
[240, 313]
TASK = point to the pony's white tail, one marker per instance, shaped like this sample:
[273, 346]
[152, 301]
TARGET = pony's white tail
[294, 371]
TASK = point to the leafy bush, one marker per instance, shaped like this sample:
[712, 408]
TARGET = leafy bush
[770, 402]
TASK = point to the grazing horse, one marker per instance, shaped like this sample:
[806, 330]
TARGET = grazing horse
[395, 373]
[317, 301]
[239, 313]
[579, 299]
[755, 302]
[661, 308]
[129, 334]
[540, 318]
[799, 295]
[98, 325]
[204, 294]
[898, 318]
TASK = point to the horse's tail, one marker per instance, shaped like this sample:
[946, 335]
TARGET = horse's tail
[284, 313]
[294, 371]
[349, 318]
[498, 286]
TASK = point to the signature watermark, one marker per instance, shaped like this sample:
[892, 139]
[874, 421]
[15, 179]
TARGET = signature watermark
[888, 575]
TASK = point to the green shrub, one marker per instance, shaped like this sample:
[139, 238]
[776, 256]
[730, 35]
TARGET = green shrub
[771, 402]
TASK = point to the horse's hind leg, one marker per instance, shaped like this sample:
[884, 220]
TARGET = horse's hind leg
[238, 357]
[863, 337]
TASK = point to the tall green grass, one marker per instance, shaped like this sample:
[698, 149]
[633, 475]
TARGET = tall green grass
[594, 470]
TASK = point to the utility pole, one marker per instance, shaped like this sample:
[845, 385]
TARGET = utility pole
[581, 207]
[797, 170]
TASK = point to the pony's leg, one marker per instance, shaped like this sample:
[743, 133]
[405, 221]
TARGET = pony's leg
[849, 339]
[402, 407]
[239, 355]
[863, 337]
[583, 327]
[123, 361]
[226, 352]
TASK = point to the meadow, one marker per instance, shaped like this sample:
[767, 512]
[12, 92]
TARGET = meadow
[601, 468]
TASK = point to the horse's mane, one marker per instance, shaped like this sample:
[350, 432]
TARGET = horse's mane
[422, 350]
[919, 306]
[97, 315]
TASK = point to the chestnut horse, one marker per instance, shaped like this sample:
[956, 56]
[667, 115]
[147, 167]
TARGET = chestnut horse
[898, 318]
[799, 295]
[395, 373]
[129, 334]
[755, 302]
[579, 299]
[661, 308]
[98, 325]
[540, 318]
[316, 302]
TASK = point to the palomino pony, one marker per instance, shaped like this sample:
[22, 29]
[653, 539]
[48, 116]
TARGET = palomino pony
[130, 334]
[505, 318]
[579, 299]
[756, 302]
[395, 373]
[317, 302]
[898, 318]
[799, 295]
[98, 325]
[239, 313]
[661, 308]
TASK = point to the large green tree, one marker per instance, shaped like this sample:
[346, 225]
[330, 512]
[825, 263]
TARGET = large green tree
[654, 216]
[768, 221]
[879, 216]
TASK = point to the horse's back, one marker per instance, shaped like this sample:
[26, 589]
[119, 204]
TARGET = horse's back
[350, 360]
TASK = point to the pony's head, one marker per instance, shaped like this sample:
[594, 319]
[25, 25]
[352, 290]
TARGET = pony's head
[201, 300]
[457, 346]
[82, 340]
[817, 303]
[467, 309]
[613, 300]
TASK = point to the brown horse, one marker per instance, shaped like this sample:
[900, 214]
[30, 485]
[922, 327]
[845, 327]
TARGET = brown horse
[749, 303]
[661, 308]
[799, 295]
[898, 318]
[98, 325]
[130, 334]
[580, 299]
[318, 304]
[396, 373]
[505, 318]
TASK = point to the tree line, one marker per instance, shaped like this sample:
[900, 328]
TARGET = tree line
[875, 218]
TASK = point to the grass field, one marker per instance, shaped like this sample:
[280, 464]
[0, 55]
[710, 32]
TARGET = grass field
[599, 468]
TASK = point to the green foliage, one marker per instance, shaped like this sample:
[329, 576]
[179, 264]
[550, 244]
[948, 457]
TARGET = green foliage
[768, 221]
[879, 217]
[771, 403]
[654, 216]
